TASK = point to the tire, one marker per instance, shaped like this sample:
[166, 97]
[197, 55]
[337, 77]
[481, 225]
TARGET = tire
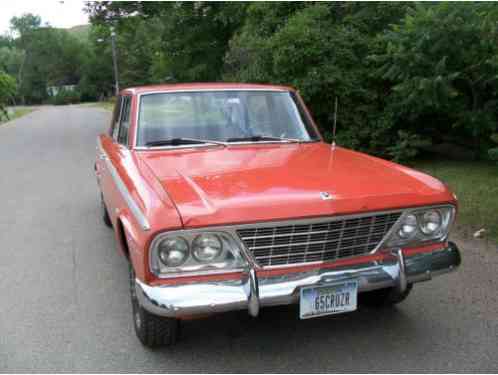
[153, 331]
[384, 297]
[105, 214]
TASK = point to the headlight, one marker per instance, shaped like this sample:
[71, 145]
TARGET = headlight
[430, 222]
[195, 252]
[173, 252]
[206, 247]
[408, 227]
[421, 225]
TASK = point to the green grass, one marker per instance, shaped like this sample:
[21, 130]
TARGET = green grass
[476, 187]
[18, 112]
[107, 105]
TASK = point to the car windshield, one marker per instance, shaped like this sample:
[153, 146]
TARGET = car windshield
[226, 116]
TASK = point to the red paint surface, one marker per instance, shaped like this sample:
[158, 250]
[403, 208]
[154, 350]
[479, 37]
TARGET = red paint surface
[253, 183]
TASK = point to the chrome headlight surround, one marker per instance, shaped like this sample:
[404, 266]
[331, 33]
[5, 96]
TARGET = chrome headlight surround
[422, 225]
[209, 252]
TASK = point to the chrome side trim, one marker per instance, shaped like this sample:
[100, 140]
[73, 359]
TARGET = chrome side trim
[250, 292]
[130, 202]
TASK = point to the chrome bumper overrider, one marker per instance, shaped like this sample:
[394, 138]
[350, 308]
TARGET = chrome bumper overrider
[251, 292]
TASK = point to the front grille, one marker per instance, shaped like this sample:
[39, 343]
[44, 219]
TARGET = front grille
[326, 240]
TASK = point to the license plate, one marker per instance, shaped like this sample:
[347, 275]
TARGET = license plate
[328, 299]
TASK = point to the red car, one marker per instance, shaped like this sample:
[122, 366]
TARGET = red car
[225, 197]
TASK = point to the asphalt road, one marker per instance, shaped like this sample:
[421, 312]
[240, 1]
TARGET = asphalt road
[64, 303]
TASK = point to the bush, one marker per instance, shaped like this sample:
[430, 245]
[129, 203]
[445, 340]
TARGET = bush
[7, 91]
[407, 146]
[322, 49]
[493, 153]
[406, 74]
[64, 96]
[440, 64]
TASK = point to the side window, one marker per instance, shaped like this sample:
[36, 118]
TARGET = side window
[124, 121]
[115, 117]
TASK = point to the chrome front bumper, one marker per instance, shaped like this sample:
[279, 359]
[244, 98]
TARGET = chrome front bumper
[252, 292]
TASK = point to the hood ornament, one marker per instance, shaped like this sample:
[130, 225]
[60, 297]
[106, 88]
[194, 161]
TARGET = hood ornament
[325, 196]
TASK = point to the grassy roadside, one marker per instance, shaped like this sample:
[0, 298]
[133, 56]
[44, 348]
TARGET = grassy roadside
[107, 105]
[104, 105]
[16, 113]
[476, 186]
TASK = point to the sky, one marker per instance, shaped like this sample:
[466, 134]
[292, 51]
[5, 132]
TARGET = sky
[62, 14]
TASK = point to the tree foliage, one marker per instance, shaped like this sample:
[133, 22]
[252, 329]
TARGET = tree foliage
[408, 76]
[178, 41]
[7, 92]
[322, 49]
[441, 62]
[40, 57]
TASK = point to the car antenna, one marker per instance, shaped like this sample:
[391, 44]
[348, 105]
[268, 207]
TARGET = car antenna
[335, 123]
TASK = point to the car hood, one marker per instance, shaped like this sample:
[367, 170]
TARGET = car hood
[251, 183]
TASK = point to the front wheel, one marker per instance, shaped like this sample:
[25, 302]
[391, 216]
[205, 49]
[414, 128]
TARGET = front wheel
[384, 297]
[152, 330]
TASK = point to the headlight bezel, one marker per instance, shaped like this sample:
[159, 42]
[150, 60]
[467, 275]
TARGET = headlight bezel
[447, 214]
[231, 259]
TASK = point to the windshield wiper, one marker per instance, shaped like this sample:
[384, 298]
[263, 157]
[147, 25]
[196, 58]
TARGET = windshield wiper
[182, 141]
[262, 138]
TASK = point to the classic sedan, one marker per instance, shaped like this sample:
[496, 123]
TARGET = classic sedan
[226, 197]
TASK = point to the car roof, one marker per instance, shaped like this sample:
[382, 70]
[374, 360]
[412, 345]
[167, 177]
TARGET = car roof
[204, 86]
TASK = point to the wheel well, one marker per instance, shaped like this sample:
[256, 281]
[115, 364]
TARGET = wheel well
[122, 239]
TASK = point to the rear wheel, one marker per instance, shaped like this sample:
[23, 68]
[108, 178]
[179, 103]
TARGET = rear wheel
[152, 330]
[384, 297]
[105, 214]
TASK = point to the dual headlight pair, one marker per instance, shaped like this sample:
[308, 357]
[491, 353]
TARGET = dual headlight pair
[422, 225]
[196, 252]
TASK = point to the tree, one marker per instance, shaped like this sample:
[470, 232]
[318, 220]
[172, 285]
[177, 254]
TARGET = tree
[7, 92]
[441, 62]
[322, 49]
[23, 27]
[176, 41]
[97, 79]
[44, 56]
[10, 59]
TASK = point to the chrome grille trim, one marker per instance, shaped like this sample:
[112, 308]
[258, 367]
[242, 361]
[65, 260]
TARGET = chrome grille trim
[316, 240]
